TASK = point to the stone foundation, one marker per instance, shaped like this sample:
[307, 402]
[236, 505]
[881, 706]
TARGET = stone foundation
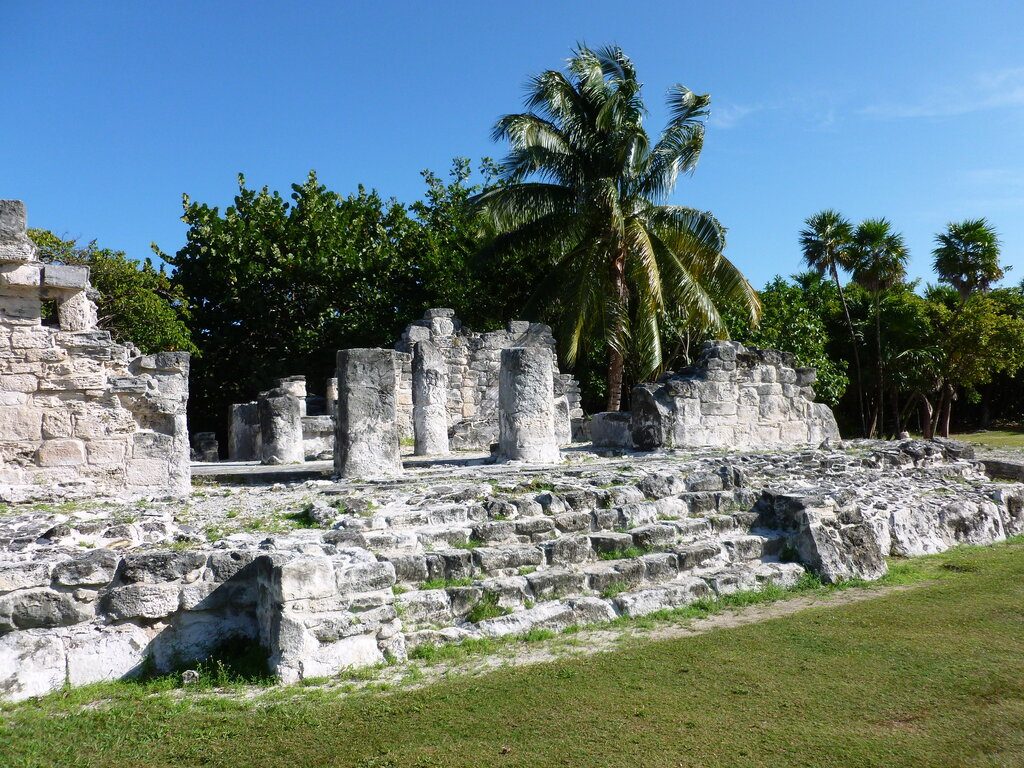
[90, 594]
[80, 414]
[732, 397]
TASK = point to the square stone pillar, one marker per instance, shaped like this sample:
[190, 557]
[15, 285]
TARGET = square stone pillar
[244, 443]
[366, 436]
[526, 406]
[281, 428]
[429, 400]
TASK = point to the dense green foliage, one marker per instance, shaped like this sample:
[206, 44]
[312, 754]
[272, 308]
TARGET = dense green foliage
[136, 301]
[584, 183]
[943, 685]
[276, 286]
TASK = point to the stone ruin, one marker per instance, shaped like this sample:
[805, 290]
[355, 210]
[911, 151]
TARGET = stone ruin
[80, 414]
[472, 363]
[457, 552]
[455, 375]
[328, 575]
[732, 396]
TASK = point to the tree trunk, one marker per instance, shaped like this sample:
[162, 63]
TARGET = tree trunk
[896, 411]
[881, 376]
[947, 410]
[926, 418]
[616, 362]
[856, 353]
[616, 366]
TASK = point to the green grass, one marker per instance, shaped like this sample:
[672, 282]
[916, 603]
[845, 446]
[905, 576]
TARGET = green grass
[994, 438]
[445, 583]
[932, 676]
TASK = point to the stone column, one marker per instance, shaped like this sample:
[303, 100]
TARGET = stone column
[281, 427]
[429, 400]
[366, 436]
[296, 387]
[526, 406]
[244, 442]
[331, 397]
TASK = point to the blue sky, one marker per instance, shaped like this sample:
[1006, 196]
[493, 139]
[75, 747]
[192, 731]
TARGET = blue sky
[910, 110]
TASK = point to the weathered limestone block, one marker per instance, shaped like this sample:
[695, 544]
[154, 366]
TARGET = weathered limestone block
[331, 396]
[611, 429]
[318, 437]
[280, 427]
[366, 440]
[244, 439]
[526, 408]
[733, 397]
[15, 245]
[429, 400]
[296, 387]
[205, 447]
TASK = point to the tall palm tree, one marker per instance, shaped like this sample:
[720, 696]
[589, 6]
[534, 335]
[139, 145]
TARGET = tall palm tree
[826, 242]
[583, 182]
[966, 256]
[879, 263]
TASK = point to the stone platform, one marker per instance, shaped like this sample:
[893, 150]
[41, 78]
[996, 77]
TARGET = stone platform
[327, 575]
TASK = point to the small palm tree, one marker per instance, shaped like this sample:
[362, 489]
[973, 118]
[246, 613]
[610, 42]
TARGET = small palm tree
[879, 263]
[826, 242]
[583, 182]
[966, 256]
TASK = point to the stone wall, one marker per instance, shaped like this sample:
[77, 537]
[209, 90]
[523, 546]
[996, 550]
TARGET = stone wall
[80, 414]
[732, 397]
[473, 360]
[102, 615]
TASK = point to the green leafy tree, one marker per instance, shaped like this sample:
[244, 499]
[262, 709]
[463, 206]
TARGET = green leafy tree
[826, 242]
[277, 286]
[966, 257]
[584, 183]
[136, 301]
[789, 323]
[879, 263]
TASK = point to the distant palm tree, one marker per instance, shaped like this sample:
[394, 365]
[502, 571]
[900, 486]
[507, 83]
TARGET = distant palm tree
[879, 263]
[827, 241]
[583, 182]
[966, 256]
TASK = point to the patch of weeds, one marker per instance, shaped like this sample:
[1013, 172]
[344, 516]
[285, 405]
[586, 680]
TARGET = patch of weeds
[614, 589]
[215, 533]
[486, 608]
[232, 513]
[445, 583]
[526, 570]
[471, 544]
[432, 654]
[398, 589]
[407, 442]
[537, 635]
[303, 518]
[539, 486]
[528, 604]
[620, 554]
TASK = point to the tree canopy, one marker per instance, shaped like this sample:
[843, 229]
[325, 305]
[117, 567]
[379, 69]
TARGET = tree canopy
[584, 182]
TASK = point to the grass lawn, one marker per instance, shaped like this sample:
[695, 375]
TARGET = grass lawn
[994, 438]
[929, 676]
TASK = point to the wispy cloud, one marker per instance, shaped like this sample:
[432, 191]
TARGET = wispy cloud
[1000, 89]
[730, 115]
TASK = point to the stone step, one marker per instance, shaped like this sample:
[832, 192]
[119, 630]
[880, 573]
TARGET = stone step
[425, 617]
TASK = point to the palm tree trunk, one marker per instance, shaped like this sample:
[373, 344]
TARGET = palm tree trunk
[881, 375]
[616, 362]
[856, 353]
